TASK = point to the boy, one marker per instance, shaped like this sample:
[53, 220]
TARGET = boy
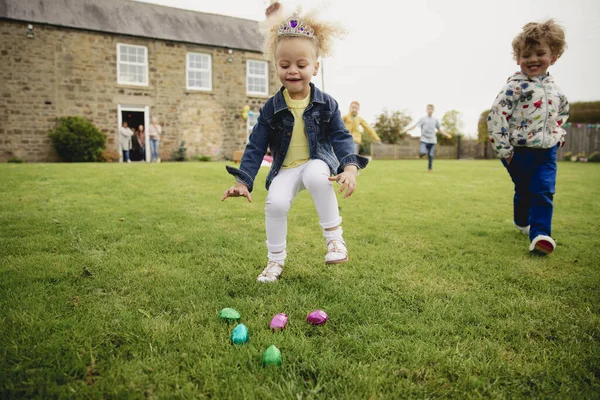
[428, 126]
[352, 121]
[525, 128]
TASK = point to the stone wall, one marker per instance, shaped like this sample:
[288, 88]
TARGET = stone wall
[64, 72]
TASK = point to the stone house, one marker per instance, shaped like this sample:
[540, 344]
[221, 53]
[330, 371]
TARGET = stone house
[115, 60]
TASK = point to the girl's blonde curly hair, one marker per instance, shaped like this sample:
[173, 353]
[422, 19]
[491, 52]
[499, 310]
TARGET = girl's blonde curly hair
[534, 32]
[324, 32]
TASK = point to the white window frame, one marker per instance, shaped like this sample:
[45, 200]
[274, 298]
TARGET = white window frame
[188, 69]
[144, 64]
[265, 77]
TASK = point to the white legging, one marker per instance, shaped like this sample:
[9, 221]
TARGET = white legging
[313, 176]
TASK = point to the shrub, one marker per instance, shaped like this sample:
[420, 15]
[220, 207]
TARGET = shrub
[594, 157]
[365, 145]
[14, 160]
[109, 156]
[202, 158]
[180, 153]
[584, 112]
[580, 157]
[567, 156]
[77, 140]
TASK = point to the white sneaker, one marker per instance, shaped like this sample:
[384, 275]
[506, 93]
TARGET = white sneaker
[542, 245]
[337, 252]
[271, 273]
[523, 229]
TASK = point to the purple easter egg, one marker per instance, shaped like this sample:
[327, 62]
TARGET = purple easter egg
[317, 317]
[279, 321]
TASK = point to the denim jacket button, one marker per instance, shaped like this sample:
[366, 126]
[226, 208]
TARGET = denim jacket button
[289, 133]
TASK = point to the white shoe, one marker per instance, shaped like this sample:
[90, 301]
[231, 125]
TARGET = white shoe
[523, 229]
[271, 273]
[542, 245]
[128, 161]
[337, 252]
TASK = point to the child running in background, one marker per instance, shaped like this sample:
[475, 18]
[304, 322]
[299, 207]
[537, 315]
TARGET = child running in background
[352, 121]
[525, 128]
[428, 124]
[305, 133]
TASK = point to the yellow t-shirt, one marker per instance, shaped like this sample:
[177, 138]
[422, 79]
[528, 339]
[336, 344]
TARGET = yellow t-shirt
[298, 152]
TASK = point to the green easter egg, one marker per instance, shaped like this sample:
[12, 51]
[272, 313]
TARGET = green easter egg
[229, 314]
[272, 356]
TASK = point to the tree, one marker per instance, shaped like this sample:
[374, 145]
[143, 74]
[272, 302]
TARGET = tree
[482, 129]
[451, 124]
[482, 132]
[585, 112]
[390, 125]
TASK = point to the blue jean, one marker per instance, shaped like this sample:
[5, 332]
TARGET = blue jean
[427, 148]
[154, 149]
[533, 171]
[125, 155]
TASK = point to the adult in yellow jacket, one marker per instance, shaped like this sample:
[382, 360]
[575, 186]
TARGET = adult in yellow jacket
[353, 121]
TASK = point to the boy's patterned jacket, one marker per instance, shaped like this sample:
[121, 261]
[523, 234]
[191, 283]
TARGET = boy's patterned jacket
[527, 112]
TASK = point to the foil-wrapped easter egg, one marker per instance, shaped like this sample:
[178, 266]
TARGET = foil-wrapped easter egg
[317, 317]
[279, 321]
[229, 314]
[272, 356]
[239, 334]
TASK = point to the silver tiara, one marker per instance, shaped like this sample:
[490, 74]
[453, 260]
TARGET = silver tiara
[293, 26]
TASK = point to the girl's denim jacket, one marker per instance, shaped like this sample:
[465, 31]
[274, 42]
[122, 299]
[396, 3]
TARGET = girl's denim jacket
[328, 138]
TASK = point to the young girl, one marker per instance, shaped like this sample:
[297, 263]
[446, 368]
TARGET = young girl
[525, 127]
[304, 131]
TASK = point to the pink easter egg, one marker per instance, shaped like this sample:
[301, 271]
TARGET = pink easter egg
[279, 321]
[317, 317]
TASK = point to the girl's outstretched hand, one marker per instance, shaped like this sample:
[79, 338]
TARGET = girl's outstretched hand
[236, 191]
[347, 179]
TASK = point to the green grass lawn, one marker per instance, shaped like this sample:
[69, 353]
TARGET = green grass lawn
[112, 277]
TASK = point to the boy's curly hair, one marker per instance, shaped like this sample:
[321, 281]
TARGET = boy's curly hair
[534, 32]
[324, 32]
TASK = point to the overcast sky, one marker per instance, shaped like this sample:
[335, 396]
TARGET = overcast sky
[456, 54]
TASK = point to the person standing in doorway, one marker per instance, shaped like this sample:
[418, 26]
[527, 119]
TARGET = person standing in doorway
[140, 137]
[428, 125]
[125, 135]
[154, 132]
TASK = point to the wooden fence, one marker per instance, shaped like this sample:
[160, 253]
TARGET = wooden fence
[584, 139]
[469, 148]
[579, 140]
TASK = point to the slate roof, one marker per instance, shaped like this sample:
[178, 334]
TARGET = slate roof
[139, 19]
